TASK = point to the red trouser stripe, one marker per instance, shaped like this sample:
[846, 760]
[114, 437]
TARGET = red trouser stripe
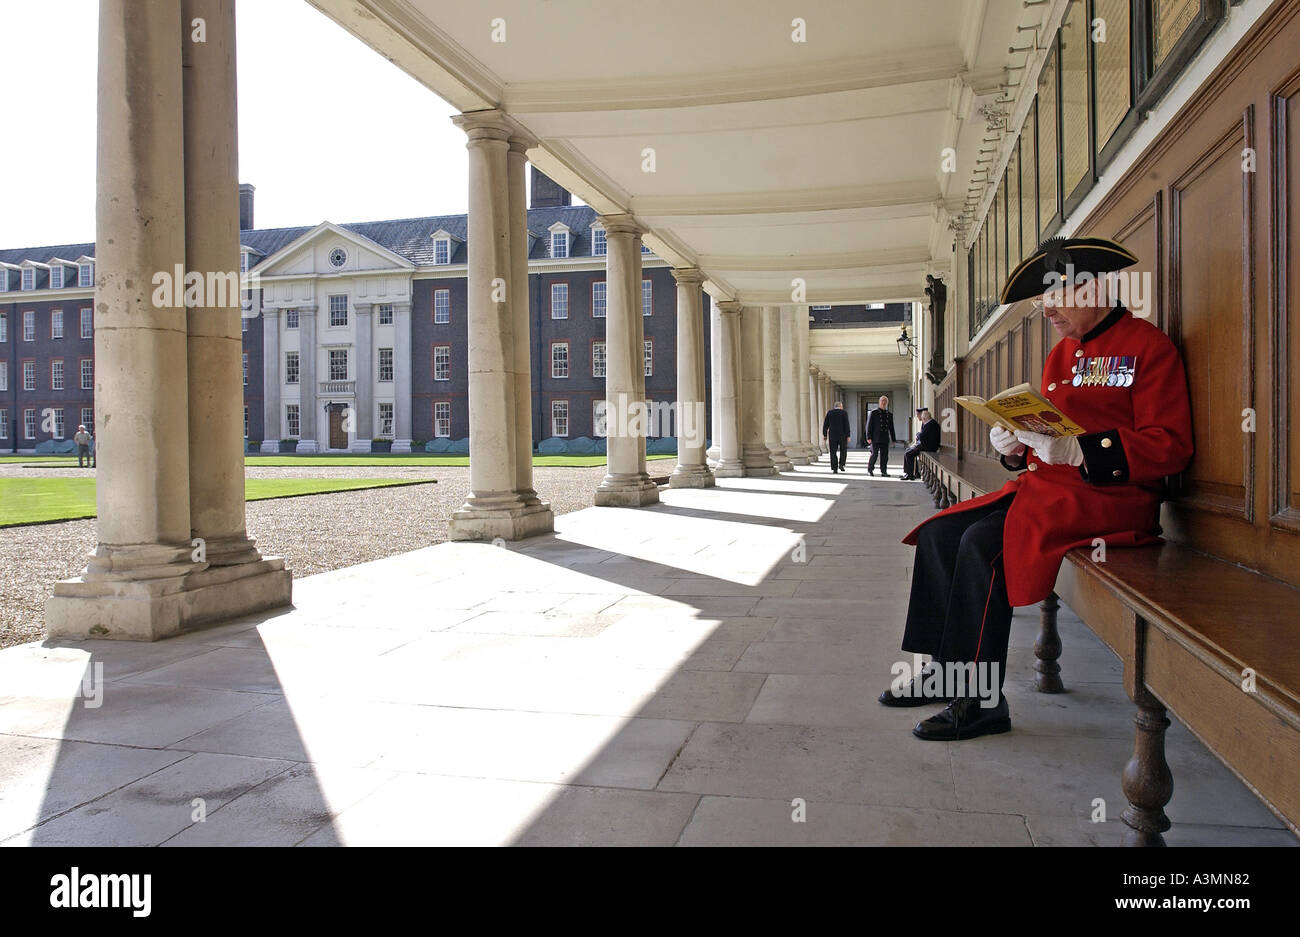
[987, 600]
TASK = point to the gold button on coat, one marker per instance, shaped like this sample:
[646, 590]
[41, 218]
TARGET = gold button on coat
[1106, 443]
[1117, 473]
[1033, 466]
[1078, 353]
[1051, 386]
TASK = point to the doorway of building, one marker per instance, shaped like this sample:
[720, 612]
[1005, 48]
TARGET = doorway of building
[338, 433]
[866, 403]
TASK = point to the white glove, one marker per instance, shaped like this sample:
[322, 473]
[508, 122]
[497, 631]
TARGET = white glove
[1005, 442]
[1054, 450]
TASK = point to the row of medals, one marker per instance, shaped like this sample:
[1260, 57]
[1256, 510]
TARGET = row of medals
[1109, 371]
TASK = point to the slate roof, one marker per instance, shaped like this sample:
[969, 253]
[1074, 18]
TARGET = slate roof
[411, 238]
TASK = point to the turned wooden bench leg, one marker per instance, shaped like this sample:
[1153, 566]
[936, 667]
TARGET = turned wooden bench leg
[1047, 648]
[1148, 783]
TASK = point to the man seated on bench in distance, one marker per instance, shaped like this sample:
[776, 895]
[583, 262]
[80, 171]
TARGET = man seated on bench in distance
[1121, 379]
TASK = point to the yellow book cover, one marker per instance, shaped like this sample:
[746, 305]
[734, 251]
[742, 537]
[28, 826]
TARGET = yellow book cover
[1022, 407]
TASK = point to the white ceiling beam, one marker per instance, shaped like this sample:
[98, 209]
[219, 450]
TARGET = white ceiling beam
[759, 83]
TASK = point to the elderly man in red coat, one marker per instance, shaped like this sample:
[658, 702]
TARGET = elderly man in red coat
[1121, 379]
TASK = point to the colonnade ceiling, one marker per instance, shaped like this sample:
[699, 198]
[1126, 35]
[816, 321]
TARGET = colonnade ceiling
[860, 356]
[763, 141]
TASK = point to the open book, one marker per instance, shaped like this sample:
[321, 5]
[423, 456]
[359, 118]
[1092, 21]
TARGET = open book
[1022, 407]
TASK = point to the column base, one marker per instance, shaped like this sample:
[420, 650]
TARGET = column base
[758, 461]
[360, 446]
[270, 447]
[231, 551]
[401, 445]
[729, 468]
[510, 516]
[796, 453]
[691, 476]
[94, 606]
[626, 490]
[307, 445]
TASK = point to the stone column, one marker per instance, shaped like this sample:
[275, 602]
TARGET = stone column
[146, 578]
[271, 361]
[756, 455]
[772, 354]
[307, 441]
[714, 452]
[807, 437]
[495, 507]
[726, 352]
[626, 483]
[402, 376]
[540, 515]
[791, 421]
[214, 337]
[815, 411]
[823, 389]
[363, 404]
[692, 467]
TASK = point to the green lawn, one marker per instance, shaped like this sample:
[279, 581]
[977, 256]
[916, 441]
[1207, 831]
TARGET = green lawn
[37, 458]
[423, 459]
[40, 500]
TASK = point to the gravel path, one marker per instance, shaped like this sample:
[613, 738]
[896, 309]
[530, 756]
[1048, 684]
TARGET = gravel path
[314, 533]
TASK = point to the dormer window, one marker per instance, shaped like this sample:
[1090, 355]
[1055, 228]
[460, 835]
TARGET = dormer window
[29, 278]
[599, 246]
[86, 274]
[559, 244]
[243, 261]
[442, 251]
[56, 277]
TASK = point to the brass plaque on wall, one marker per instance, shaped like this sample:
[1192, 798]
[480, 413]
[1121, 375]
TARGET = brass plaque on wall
[1170, 20]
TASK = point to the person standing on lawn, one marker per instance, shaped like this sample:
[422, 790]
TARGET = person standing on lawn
[84, 441]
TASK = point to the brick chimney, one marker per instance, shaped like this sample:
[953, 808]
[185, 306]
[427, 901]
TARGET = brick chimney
[245, 207]
[547, 193]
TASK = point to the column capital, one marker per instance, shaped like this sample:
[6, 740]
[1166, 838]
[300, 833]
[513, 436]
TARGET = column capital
[621, 224]
[688, 276]
[729, 307]
[270, 311]
[363, 309]
[485, 125]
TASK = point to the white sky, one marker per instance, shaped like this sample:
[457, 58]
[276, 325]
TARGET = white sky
[328, 130]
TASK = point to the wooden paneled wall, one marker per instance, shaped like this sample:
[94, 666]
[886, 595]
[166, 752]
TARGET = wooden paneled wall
[1209, 208]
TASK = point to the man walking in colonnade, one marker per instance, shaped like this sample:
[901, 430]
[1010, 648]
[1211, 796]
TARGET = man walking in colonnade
[835, 430]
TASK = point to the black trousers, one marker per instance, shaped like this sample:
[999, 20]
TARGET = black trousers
[839, 445]
[909, 458]
[880, 449]
[958, 612]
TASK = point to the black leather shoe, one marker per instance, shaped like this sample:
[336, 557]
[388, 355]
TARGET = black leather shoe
[964, 718]
[913, 693]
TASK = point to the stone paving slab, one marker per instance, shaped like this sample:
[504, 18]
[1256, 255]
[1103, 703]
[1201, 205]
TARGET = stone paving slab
[747, 821]
[679, 673]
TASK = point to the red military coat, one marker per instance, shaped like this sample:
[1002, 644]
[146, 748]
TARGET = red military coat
[1124, 383]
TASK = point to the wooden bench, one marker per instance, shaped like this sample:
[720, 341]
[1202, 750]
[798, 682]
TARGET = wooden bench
[1216, 643]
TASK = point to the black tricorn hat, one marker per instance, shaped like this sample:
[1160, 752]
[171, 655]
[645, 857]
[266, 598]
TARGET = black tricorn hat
[921, 409]
[1048, 265]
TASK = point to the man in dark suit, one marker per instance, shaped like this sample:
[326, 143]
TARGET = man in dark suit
[835, 430]
[927, 440]
[880, 433]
